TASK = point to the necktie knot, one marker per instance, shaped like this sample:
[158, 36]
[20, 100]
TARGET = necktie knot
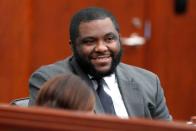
[99, 82]
[99, 85]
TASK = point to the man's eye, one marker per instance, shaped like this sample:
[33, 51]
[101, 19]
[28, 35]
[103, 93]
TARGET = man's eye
[110, 38]
[89, 41]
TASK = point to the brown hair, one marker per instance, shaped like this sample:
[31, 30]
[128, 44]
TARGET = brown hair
[67, 92]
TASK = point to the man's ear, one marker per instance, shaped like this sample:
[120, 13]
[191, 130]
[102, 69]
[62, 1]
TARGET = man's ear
[120, 38]
[119, 35]
[71, 44]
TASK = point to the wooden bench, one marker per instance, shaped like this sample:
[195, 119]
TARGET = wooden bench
[31, 119]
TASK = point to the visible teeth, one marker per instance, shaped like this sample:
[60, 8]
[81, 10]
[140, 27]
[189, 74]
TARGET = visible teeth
[101, 57]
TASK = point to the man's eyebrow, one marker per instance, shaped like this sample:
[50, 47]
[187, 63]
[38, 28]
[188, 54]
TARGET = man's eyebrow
[87, 37]
[111, 33]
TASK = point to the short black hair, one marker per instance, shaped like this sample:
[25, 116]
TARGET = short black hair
[86, 15]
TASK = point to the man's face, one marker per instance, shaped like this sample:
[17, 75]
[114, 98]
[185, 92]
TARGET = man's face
[98, 48]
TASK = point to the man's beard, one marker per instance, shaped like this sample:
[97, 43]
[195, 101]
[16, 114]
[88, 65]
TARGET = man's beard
[89, 68]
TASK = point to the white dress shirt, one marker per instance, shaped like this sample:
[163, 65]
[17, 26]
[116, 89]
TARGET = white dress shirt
[110, 86]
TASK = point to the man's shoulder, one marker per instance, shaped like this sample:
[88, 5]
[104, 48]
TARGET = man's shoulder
[57, 66]
[134, 70]
[50, 70]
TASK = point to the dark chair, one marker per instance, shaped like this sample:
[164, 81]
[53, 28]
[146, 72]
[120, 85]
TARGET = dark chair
[23, 102]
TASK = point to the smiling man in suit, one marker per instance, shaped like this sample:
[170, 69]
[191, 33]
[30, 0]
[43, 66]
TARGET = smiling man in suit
[122, 90]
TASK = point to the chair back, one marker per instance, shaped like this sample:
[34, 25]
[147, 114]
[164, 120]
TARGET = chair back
[23, 102]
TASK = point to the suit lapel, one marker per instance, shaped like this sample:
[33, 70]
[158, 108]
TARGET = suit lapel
[79, 72]
[131, 94]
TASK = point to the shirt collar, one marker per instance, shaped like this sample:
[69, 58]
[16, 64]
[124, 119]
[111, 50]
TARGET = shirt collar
[108, 80]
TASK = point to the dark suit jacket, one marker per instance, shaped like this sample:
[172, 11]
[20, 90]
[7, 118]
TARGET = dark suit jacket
[140, 89]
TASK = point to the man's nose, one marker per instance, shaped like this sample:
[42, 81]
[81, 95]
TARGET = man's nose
[101, 46]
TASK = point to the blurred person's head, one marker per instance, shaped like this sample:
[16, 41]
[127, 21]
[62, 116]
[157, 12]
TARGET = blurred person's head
[66, 92]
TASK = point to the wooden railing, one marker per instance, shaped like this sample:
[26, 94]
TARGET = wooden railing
[30, 119]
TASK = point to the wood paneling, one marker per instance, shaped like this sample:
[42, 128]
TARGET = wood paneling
[171, 55]
[14, 48]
